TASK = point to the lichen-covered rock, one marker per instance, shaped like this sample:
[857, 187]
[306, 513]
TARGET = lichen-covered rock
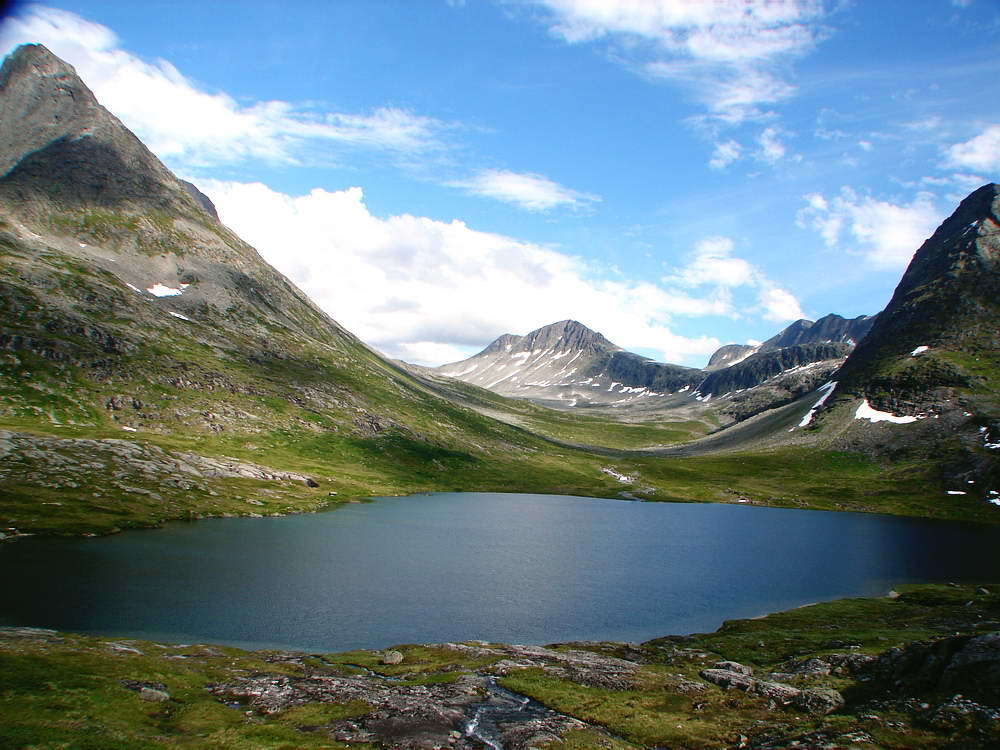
[392, 657]
[728, 679]
[820, 701]
[776, 692]
[733, 666]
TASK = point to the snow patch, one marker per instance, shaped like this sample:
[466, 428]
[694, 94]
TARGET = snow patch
[865, 411]
[829, 388]
[620, 477]
[683, 389]
[463, 372]
[133, 288]
[162, 290]
[129, 429]
[957, 492]
[919, 350]
[182, 317]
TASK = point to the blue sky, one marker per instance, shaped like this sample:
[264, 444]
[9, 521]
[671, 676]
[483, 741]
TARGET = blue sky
[677, 174]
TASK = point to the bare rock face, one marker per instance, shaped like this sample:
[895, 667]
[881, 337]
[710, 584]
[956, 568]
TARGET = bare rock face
[67, 148]
[961, 664]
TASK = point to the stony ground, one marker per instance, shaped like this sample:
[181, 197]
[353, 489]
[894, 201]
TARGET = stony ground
[919, 669]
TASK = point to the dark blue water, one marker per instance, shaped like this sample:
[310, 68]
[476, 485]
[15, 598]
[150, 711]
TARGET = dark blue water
[460, 566]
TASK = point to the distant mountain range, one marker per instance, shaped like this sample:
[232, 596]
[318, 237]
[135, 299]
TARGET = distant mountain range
[567, 364]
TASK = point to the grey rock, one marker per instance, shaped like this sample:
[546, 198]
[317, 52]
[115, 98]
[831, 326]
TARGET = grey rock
[733, 666]
[819, 701]
[153, 695]
[776, 692]
[727, 679]
[392, 657]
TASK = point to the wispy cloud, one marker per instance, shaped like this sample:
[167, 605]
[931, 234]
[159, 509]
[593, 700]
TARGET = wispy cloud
[730, 53]
[188, 125]
[725, 153]
[885, 233]
[712, 265]
[529, 191]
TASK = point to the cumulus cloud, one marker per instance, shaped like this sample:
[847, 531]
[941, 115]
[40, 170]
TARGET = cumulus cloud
[529, 191]
[886, 234]
[713, 265]
[432, 291]
[981, 152]
[728, 52]
[185, 124]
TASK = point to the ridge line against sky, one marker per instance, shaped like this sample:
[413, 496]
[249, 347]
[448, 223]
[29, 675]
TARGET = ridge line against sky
[675, 174]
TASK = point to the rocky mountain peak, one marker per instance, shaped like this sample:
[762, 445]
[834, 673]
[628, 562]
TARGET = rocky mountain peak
[69, 151]
[945, 307]
[566, 335]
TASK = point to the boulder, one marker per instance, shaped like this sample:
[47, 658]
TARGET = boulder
[153, 695]
[728, 679]
[733, 666]
[819, 701]
[392, 657]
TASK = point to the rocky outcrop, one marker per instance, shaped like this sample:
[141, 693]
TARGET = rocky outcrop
[830, 329]
[733, 675]
[969, 665]
[762, 366]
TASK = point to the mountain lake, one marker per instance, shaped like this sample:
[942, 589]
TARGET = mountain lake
[515, 568]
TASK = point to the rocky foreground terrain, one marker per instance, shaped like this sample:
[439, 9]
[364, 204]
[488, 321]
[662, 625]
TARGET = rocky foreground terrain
[917, 669]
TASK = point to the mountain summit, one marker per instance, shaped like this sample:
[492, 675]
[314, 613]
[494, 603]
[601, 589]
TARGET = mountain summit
[69, 149]
[568, 364]
[940, 328]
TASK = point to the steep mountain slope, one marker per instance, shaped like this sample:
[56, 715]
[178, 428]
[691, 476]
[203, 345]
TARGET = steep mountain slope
[164, 369]
[930, 361]
[566, 363]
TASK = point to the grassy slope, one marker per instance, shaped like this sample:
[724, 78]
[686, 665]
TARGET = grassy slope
[296, 394]
[67, 693]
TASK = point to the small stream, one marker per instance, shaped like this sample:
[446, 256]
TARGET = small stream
[501, 706]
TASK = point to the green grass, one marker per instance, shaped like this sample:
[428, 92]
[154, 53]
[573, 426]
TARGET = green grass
[67, 692]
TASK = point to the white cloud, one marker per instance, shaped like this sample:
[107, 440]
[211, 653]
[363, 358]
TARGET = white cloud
[866, 145]
[727, 51]
[183, 123]
[780, 305]
[433, 291]
[725, 154]
[771, 148]
[885, 233]
[530, 191]
[714, 265]
[981, 152]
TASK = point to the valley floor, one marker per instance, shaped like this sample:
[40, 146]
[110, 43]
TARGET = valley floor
[917, 669]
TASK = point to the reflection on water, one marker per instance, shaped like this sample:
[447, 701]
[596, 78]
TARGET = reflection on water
[458, 566]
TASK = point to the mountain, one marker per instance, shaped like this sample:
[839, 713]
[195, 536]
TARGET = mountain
[932, 357]
[167, 370]
[568, 364]
[830, 329]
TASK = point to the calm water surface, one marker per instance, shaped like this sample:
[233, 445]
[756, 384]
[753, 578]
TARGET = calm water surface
[460, 566]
